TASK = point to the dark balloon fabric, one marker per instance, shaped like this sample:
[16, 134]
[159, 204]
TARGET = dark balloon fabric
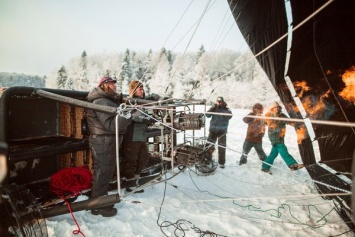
[322, 51]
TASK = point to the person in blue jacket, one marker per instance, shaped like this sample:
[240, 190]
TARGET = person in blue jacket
[220, 115]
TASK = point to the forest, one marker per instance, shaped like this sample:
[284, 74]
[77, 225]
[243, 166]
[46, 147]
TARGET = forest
[190, 75]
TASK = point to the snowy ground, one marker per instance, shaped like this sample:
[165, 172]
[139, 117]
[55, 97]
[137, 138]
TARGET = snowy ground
[235, 201]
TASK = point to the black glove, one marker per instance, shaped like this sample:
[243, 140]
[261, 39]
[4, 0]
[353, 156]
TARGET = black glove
[154, 97]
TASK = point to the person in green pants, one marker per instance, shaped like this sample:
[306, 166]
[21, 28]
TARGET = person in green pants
[276, 133]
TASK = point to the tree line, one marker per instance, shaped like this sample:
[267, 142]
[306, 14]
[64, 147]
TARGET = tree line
[194, 75]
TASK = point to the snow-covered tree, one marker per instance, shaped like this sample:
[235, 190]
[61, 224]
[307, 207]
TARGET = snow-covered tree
[234, 75]
[69, 85]
[82, 81]
[161, 80]
[199, 54]
[62, 78]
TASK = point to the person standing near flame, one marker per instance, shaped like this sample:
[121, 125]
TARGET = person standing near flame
[221, 115]
[276, 132]
[255, 134]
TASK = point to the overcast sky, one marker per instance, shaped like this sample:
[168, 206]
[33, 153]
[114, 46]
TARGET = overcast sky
[38, 36]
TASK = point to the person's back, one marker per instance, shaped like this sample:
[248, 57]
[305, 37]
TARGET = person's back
[256, 126]
[255, 134]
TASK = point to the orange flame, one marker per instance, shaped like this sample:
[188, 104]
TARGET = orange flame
[301, 134]
[313, 104]
[301, 87]
[348, 93]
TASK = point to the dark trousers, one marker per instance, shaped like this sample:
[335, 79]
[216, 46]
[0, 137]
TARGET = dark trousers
[104, 163]
[135, 158]
[222, 141]
[246, 149]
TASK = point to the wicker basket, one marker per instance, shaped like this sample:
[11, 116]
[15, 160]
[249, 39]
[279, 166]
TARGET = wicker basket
[70, 126]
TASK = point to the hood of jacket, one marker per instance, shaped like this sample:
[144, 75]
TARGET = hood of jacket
[98, 93]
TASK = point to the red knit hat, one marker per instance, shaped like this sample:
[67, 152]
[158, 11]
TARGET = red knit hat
[104, 80]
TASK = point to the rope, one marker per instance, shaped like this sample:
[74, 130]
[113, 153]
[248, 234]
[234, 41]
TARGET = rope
[181, 226]
[71, 181]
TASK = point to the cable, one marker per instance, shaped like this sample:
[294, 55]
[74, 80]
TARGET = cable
[193, 34]
[181, 226]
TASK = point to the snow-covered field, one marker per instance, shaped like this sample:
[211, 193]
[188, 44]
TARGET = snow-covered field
[235, 201]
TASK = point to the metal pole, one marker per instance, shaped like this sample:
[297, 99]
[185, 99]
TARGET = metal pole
[118, 157]
[91, 203]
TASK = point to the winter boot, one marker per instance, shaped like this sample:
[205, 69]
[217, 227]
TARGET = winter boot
[266, 171]
[129, 190]
[242, 161]
[296, 167]
[105, 211]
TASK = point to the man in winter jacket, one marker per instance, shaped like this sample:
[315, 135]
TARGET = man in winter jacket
[218, 128]
[255, 134]
[276, 132]
[134, 147]
[103, 140]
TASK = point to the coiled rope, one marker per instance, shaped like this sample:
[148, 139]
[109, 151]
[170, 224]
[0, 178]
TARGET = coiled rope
[71, 181]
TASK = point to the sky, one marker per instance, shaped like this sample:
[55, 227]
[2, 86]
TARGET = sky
[238, 201]
[40, 36]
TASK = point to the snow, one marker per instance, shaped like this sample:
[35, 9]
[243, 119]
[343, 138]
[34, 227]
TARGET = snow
[235, 201]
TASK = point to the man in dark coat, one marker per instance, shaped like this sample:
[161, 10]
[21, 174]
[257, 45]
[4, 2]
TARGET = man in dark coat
[255, 134]
[221, 115]
[103, 140]
[134, 147]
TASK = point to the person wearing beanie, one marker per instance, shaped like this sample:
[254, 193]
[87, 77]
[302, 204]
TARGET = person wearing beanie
[276, 133]
[102, 140]
[136, 89]
[134, 147]
[220, 115]
[255, 134]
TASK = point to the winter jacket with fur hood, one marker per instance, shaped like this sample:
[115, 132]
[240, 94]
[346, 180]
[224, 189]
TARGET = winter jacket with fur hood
[103, 123]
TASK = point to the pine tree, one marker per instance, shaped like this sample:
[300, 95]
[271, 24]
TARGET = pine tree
[123, 77]
[83, 81]
[127, 65]
[62, 78]
[69, 85]
[149, 67]
[199, 54]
